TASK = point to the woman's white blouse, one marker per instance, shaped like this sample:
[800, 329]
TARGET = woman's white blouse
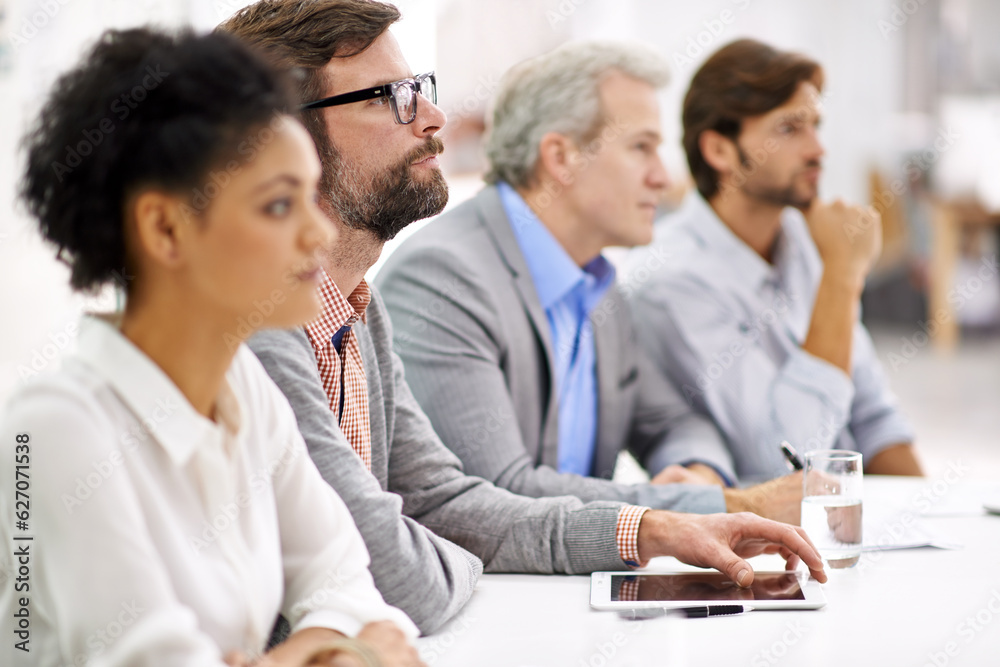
[162, 537]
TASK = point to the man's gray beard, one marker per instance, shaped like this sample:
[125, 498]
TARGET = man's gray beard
[389, 202]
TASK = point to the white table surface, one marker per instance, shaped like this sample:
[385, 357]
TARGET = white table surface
[895, 608]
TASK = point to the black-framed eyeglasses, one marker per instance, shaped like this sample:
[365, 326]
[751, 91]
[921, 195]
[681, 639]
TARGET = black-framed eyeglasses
[402, 96]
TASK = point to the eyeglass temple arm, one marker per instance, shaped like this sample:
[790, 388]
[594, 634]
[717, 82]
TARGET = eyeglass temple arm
[347, 98]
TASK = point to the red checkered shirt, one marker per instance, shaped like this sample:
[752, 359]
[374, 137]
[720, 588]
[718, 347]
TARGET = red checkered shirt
[346, 368]
[627, 534]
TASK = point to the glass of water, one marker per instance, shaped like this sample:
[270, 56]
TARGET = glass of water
[831, 504]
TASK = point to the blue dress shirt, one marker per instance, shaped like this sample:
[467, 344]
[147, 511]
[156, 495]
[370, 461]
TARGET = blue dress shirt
[568, 295]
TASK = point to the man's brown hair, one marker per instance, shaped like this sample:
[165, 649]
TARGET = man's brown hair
[743, 79]
[302, 36]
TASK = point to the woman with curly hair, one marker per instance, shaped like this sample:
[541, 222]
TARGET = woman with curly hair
[174, 508]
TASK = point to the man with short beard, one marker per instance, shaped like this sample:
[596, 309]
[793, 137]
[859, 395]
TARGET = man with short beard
[419, 513]
[755, 314]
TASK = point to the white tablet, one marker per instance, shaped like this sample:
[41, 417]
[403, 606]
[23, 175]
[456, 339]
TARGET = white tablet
[770, 590]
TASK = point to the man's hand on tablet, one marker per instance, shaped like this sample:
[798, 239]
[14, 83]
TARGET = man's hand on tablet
[722, 541]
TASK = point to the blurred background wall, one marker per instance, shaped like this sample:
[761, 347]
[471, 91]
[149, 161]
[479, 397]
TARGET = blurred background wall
[912, 124]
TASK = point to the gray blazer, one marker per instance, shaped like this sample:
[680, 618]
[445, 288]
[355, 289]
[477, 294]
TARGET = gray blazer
[478, 354]
[417, 505]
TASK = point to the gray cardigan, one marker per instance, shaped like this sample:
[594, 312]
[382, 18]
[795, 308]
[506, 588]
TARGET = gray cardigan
[417, 496]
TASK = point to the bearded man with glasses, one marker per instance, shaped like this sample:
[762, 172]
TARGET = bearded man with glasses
[430, 528]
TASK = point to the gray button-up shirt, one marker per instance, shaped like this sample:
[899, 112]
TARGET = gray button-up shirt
[727, 328]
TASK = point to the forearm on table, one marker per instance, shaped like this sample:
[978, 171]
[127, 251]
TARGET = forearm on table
[525, 479]
[898, 459]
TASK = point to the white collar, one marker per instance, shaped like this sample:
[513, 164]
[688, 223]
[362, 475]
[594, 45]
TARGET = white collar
[149, 393]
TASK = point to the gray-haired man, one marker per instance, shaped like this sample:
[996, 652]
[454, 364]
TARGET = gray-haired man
[505, 306]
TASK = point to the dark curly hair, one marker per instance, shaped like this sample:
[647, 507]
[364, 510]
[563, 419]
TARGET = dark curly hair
[144, 109]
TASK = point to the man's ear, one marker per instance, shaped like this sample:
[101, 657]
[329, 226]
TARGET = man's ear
[719, 152]
[555, 152]
[160, 224]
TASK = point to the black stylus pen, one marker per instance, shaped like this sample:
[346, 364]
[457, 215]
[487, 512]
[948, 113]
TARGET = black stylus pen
[713, 610]
[690, 612]
[791, 455]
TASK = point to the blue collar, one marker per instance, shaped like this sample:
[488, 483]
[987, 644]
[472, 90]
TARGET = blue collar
[552, 270]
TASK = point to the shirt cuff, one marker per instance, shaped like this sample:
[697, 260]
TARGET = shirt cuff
[627, 534]
[872, 438]
[344, 623]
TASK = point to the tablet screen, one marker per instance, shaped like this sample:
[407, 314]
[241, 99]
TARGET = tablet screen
[698, 587]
